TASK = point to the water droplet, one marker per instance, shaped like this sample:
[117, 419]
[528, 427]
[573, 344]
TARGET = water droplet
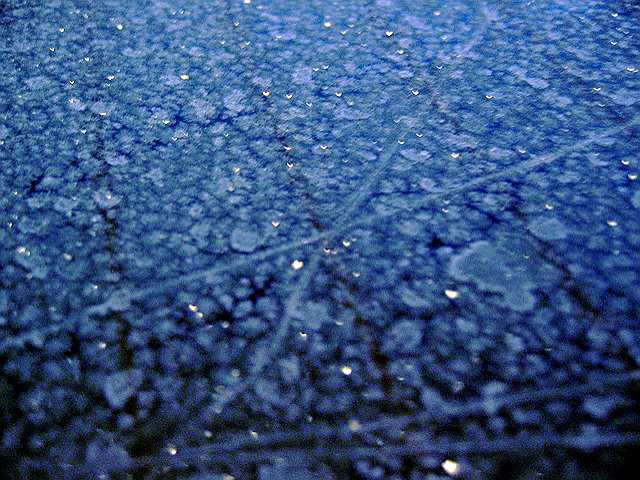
[451, 467]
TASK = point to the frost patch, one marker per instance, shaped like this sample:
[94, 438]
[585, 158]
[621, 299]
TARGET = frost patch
[491, 270]
[244, 238]
[235, 101]
[121, 386]
[548, 228]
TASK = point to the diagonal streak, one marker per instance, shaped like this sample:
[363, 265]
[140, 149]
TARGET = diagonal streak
[264, 355]
[341, 226]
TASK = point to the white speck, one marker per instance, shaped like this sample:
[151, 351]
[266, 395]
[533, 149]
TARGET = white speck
[105, 199]
[119, 26]
[452, 294]
[451, 467]
[354, 425]
[297, 264]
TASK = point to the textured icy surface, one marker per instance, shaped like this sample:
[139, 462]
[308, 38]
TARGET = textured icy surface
[322, 239]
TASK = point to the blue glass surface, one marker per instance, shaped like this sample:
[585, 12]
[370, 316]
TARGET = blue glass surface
[279, 239]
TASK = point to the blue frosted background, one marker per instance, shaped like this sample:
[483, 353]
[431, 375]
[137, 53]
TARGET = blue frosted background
[283, 239]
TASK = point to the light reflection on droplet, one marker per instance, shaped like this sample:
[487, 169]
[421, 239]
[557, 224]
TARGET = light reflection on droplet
[451, 467]
[354, 425]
